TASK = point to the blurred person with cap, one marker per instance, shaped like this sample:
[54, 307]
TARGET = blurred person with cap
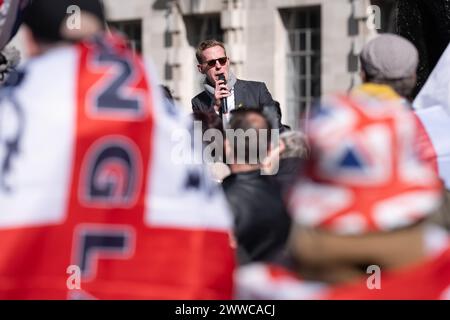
[389, 62]
[87, 179]
[361, 212]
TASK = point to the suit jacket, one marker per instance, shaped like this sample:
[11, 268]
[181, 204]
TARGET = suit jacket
[246, 93]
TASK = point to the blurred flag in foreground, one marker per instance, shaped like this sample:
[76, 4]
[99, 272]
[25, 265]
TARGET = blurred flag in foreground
[91, 202]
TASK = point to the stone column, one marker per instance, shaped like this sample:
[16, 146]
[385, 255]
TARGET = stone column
[363, 25]
[172, 42]
[232, 22]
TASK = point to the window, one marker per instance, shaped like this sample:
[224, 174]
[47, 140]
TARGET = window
[199, 28]
[202, 27]
[133, 31]
[303, 58]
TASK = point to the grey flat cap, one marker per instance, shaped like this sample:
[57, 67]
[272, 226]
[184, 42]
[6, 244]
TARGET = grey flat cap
[389, 57]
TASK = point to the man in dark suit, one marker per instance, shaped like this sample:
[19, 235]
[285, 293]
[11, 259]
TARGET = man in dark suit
[212, 62]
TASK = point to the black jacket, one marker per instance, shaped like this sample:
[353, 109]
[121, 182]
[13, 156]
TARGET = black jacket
[287, 175]
[261, 221]
[246, 93]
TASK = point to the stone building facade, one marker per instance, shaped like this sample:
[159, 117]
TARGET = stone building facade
[302, 49]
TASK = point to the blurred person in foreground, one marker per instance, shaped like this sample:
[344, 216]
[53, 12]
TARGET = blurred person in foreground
[361, 212]
[392, 61]
[389, 64]
[92, 204]
[388, 71]
[261, 222]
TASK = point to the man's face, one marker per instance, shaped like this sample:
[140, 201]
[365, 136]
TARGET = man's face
[213, 65]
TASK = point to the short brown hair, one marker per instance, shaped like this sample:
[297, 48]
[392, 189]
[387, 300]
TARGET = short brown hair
[206, 45]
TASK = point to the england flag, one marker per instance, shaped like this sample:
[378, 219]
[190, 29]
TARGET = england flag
[91, 203]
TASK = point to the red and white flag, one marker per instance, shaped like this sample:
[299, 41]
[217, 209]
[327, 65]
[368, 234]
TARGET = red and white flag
[87, 185]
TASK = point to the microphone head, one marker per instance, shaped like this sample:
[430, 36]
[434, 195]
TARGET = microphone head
[222, 77]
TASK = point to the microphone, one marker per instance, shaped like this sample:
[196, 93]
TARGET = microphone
[224, 104]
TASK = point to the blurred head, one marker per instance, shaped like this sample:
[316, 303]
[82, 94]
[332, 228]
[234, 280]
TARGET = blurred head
[248, 136]
[295, 145]
[51, 22]
[212, 60]
[392, 60]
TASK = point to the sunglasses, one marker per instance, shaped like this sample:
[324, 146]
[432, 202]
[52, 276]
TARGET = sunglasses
[212, 63]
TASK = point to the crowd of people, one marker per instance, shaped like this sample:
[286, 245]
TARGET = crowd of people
[88, 182]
